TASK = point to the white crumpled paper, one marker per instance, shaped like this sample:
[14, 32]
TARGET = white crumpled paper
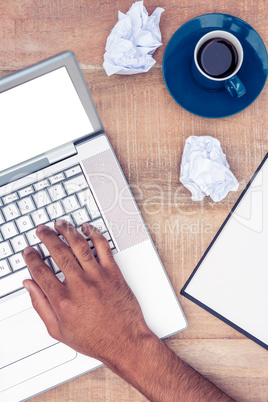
[132, 41]
[205, 170]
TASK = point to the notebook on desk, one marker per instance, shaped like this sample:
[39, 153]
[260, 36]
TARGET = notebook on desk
[231, 280]
[56, 162]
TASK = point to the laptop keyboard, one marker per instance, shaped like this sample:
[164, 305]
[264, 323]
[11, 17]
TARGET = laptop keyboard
[64, 195]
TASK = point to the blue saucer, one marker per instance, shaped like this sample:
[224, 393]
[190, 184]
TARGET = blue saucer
[177, 67]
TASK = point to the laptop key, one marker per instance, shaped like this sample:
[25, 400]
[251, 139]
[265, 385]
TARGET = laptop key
[75, 184]
[9, 230]
[99, 224]
[86, 199]
[24, 223]
[44, 250]
[55, 210]
[68, 219]
[41, 198]
[5, 250]
[4, 268]
[51, 225]
[10, 197]
[41, 184]
[2, 220]
[26, 191]
[107, 236]
[12, 283]
[73, 171]
[19, 243]
[80, 216]
[16, 261]
[39, 216]
[11, 212]
[56, 192]
[26, 205]
[70, 204]
[56, 178]
[32, 238]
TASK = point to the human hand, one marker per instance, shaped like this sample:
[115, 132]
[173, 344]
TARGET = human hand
[93, 310]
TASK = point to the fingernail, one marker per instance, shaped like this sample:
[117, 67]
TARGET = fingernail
[26, 285]
[86, 226]
[60, 222]
[27, 251]
[40, 228]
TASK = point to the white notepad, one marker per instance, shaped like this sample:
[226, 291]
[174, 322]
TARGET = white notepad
[231, 279]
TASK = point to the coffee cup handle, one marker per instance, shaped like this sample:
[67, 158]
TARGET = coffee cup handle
[235, 87]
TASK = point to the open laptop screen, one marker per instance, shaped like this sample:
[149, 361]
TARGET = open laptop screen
[40, 115]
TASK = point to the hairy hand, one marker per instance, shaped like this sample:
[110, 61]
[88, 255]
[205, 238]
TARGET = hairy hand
[93, 310]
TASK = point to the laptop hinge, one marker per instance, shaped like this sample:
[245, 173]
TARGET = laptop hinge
[35, 164]
[61, 153]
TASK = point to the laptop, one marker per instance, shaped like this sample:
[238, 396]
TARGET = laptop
[56, 162]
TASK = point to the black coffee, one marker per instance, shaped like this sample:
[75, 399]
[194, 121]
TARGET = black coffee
[217, 57]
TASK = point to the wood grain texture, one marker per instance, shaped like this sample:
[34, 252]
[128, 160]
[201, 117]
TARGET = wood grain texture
[148, 130]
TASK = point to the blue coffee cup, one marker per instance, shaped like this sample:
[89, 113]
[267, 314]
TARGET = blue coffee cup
[231, 82]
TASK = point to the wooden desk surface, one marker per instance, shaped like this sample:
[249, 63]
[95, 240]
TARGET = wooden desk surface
[147, 130]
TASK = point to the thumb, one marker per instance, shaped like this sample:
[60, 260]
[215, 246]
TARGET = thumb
[43, 307]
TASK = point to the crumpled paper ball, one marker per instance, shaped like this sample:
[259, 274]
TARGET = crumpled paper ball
[205, 170]
[132, 41]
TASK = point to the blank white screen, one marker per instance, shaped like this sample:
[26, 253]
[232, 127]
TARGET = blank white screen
[40, 115]
[233, 278]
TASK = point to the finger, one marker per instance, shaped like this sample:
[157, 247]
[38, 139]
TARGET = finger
[78, 244]
[59, 251]
[43, 308]
[43, 275]
[101, 245]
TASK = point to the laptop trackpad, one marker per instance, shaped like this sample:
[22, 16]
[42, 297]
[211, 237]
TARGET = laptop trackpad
[22, 335]
[35, 365]
[25, 342]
